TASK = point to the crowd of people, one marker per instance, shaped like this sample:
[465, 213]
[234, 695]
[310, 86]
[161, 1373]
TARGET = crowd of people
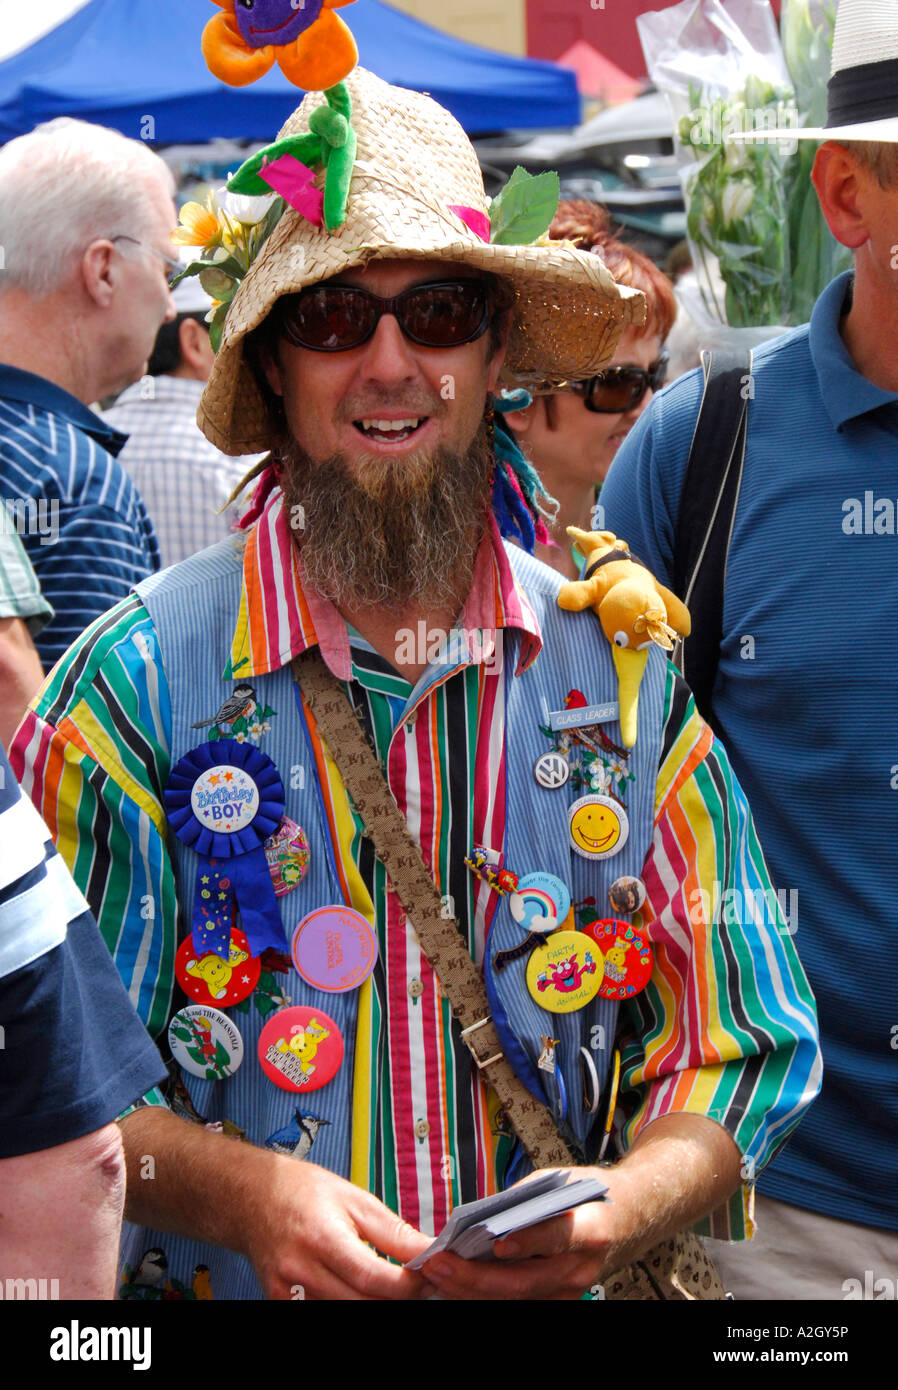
[213, 956]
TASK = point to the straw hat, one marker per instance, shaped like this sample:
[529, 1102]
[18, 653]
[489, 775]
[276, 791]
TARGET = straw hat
[414, 162]
[862, 93]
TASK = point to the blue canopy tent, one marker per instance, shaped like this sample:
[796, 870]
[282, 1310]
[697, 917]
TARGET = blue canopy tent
[123, 63]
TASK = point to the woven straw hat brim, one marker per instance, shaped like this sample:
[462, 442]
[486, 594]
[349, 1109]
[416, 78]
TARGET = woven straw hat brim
[414, 163]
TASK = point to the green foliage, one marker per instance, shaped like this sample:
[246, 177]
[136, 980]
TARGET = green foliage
[524, 208]
[247, 180]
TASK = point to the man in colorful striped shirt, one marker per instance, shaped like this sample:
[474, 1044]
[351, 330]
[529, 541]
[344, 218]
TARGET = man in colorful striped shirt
[381, 535]
[85, 217]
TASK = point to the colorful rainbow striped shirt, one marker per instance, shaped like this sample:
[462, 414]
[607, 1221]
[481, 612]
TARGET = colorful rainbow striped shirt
[706, 1037]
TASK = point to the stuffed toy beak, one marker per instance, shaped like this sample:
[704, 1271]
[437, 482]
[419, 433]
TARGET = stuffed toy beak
[630, 666]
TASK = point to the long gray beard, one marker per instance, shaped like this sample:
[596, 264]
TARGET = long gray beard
[402, 532]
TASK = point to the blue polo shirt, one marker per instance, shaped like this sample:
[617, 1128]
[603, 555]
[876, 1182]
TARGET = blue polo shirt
[80, 517]
[807, 701]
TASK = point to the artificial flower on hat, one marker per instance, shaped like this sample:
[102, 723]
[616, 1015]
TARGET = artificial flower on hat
[311, 45]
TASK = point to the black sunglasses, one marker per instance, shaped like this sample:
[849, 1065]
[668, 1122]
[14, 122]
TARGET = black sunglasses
[619, 389]
[335, 318]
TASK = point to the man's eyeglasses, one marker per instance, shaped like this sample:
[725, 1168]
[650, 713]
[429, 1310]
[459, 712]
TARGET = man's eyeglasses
[172, 265]
[619, 389]
[335, 318]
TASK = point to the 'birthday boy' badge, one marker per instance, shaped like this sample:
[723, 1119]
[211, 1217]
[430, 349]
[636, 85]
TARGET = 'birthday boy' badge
[223, 800]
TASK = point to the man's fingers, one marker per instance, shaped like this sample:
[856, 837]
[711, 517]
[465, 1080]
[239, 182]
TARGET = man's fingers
[554, 1237]
[566, 1276]
[387, 1231]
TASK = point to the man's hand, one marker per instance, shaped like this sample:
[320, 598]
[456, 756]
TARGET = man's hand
[307, 1232]
[681, 1167]
[314, 1239]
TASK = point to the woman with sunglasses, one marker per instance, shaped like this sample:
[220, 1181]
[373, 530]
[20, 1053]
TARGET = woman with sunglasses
[572, 435]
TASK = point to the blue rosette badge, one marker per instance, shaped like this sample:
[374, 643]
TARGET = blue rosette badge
[223, 800]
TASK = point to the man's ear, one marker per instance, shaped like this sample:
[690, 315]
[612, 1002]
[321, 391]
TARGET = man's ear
[521, 421]
[195, 346]
[498, 357]
[99, 274]
[839, 180]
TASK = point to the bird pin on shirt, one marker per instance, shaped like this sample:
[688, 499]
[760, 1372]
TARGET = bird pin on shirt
[296, 1138]
[241, 703]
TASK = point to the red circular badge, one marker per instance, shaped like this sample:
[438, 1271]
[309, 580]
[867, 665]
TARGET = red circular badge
[628, 957]
[207, 978]
[300, 1049]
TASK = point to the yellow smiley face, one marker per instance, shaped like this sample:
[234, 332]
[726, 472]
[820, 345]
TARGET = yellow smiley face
[597, 827]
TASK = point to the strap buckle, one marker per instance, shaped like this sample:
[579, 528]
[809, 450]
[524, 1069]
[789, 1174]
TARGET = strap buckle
[472, 1028]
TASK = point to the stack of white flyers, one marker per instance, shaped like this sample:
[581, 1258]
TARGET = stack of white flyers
[472, 1228]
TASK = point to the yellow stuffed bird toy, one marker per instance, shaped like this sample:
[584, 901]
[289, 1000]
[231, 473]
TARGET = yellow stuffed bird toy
[633, 609]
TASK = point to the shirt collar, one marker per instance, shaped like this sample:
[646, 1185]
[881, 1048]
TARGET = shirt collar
[846, 393]
[278, 618]
[16, 385]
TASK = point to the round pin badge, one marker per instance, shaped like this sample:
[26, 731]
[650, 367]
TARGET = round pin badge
[628, 957]
[224, 799]
[205, 1042]
[207, 978]
[565, 974]
[540, 902]
[287, 852]
[334, 949]
[300, 1049]
[598, 826]
[627, 894]
[551, 770]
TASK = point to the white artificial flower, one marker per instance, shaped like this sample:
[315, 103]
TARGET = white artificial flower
[242, 208]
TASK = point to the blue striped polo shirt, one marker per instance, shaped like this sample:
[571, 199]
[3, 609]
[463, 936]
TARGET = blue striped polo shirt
[82, 522]
[74, 1053]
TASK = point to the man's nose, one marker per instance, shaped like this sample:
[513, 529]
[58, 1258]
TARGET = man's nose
[389, 356]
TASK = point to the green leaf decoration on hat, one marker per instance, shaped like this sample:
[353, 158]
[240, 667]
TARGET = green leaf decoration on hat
[331, 141]
[523, 211]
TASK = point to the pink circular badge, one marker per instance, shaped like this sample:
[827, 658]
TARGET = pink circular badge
[300, 1049]
[334, 949]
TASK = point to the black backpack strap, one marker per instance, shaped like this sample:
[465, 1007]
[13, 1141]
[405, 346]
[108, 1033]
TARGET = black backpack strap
[707, 509]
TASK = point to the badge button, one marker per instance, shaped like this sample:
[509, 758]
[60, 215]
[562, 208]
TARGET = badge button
[300, 1049]
[205, 1042]
[551, 770]
[287, 852]
[565, 974]
[598, 826]
[627, 894]
[628, 957]
[207, 979]
[540, 903]
[334, 949]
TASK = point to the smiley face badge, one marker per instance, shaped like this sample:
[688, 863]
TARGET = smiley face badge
[598, 826]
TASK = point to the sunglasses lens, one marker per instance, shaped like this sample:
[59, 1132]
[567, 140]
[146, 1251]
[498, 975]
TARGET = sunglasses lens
[444, 315]
[328, 320]
[620, 390]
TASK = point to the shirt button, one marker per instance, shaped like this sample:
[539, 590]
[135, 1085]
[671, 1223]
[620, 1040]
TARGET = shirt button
[415, 988]
[422, 1129]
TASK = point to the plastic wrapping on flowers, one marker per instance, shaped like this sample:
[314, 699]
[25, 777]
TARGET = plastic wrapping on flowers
[761, 250]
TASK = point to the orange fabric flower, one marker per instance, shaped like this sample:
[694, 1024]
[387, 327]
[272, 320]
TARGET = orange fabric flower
[198, 227]
[321, 56]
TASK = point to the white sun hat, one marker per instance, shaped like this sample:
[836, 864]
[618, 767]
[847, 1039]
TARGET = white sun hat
[862, 93]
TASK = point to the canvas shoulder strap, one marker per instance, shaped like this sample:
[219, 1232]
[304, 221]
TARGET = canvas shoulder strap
[707, 510]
